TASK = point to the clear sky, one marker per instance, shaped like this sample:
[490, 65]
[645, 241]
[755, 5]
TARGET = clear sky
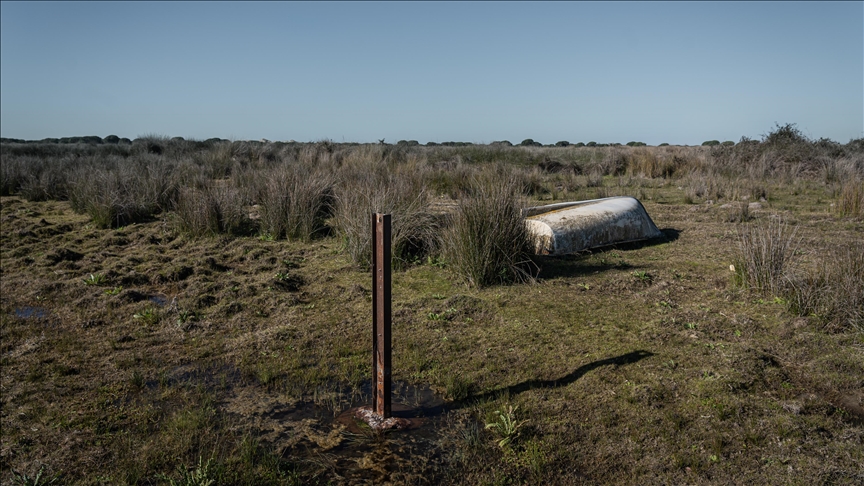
[676, 72]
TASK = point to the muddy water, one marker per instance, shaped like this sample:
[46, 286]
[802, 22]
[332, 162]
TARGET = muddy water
[31, 312]
[322, 432]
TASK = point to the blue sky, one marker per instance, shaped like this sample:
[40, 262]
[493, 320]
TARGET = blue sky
[676, 72]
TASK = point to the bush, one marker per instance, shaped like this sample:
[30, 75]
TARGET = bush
[295, 202]
[414, 229]
[562, 143]
[216, 208]
[833, 291]
[486, 241]
[530, 143]
[710, 143]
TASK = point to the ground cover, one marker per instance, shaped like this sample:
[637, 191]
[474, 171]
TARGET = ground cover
[141, 354]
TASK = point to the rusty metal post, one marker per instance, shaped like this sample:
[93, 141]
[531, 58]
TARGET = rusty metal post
[381, 318]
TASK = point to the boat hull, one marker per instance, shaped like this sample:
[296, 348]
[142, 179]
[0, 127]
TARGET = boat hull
[560, 229]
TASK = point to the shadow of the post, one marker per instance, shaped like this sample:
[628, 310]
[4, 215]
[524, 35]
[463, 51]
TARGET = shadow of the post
[518, 388]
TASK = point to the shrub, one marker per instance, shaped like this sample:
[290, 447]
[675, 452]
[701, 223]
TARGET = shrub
[765, 251]
[413, 227]
[833, 290]
[295, 201]
[215, 208]
[486, 241]
[99, 194]
[530, 143]
[562, 143]
[579, 144]
[710, 143]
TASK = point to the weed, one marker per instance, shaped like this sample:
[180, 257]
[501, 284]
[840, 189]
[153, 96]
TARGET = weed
[198, 476]
[114, 291]
[137, 379]
[456, 387]
[643, 277]
[95, 279]
[506, 426]
[186, 315]
[23, 479]
[149, 316]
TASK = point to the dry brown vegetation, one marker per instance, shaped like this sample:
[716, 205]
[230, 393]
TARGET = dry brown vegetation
[173, 308]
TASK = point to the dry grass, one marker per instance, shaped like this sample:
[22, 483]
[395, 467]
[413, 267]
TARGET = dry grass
[851, 200]
[766, 252]
[295, 202]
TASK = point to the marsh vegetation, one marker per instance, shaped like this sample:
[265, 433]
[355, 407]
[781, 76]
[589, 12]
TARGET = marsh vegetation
[175, 312]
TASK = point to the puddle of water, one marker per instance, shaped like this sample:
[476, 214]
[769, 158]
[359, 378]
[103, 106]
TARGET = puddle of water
[159, 300]
[354, 450]
[31, 312]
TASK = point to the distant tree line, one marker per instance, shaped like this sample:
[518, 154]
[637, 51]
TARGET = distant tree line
[155, 142]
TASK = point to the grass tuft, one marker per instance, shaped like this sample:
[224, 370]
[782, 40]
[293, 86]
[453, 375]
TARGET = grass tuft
[765, 251]
[486, 241]
[851, 201]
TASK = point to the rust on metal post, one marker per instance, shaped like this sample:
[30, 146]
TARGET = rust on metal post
[381, 314]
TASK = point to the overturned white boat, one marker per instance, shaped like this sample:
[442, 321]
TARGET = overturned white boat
[559, 229]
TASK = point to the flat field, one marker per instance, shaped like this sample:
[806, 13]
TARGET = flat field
[143, 354]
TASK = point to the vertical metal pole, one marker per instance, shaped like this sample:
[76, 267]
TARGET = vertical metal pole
[381, 314]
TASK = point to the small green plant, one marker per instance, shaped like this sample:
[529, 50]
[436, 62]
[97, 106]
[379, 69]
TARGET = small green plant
[137, 379]
[438, 296]
[148, 316]
[506, 426]
[114, 291]
[643, 277]
[584, 286]
[199, 476]
[185, 316]
[95, 279]
[24, 480]
[435, 261]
